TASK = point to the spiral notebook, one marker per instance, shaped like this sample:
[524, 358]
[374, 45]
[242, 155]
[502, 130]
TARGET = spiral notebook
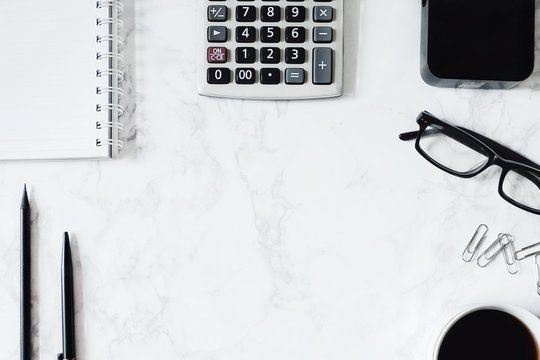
[60, 83]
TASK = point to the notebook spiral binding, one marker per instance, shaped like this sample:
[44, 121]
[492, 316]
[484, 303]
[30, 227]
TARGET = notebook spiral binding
[109, 67]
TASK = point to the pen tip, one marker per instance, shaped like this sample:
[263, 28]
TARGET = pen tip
[25, 203]
[66, 244]
[66, 252]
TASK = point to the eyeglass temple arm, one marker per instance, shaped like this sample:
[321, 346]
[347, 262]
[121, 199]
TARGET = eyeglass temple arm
[412, 135]
[407, 136]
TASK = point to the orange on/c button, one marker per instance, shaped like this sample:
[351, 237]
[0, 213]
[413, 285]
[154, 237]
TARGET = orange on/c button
[217, 55]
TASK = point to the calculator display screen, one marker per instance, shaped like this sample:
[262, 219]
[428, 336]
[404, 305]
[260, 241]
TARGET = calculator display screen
[481, 39]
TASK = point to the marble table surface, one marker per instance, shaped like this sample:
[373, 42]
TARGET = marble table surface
[233, 230]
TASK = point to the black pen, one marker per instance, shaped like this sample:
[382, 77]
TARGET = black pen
[68, 304]
[26, 273]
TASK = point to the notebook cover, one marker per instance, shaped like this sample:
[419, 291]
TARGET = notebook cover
[49, 104]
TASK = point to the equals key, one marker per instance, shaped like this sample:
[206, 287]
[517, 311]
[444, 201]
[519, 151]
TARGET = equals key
[294, 76]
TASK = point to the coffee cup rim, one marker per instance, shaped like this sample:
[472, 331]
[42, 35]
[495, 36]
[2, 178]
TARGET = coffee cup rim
[528, 319]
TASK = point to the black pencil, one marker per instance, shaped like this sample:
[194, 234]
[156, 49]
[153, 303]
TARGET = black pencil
[26, 290]
[68, 303]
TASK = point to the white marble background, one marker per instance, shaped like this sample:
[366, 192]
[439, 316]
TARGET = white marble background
[237, 230]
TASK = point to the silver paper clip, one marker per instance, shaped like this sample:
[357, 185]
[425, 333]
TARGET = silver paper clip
[528, 251]
[475, 243]
[509, 253]
[493, 250]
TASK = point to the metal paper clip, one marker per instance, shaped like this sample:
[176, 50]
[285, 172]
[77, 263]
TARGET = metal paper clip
[528, 251]
[474, 244]
[493, 250]
[509, 253]
[537, 261]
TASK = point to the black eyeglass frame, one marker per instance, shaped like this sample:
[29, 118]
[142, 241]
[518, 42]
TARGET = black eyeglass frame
[507, 159]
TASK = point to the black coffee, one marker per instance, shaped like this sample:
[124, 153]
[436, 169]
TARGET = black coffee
[488, 335]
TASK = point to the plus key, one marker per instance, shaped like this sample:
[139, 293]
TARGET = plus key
[323, 59]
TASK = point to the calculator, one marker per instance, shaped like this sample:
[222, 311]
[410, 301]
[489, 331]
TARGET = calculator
[270, 49]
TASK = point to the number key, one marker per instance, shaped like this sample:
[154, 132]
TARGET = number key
[245, 34]
[295, 14]
[270, 55]
[245, 55]
[295, 34]
[246, 13]
[219, 76]
[270, 13]
[270, 34]
[245, 76]
[295, 55]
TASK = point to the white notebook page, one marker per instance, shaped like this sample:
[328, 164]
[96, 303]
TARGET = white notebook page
[48, 89]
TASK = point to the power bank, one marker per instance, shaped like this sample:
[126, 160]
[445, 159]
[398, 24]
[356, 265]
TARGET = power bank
[477, 43]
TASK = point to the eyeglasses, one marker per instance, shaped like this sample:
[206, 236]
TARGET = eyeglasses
[464, 153]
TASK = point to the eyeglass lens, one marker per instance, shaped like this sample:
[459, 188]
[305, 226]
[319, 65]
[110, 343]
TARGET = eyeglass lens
[523, 187]
[441, 145]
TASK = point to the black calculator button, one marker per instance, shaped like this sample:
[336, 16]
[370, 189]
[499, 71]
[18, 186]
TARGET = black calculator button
[295, 34]
[270, 55]
[245, 76]
[219, 76]
[295, 14]
[295, 55]
[270, 34]
[246, 13]
[246, 55]
[246, 34]
[270, 13]
[270, 76]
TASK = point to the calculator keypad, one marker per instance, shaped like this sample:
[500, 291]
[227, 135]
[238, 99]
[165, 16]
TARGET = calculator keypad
[271, 49]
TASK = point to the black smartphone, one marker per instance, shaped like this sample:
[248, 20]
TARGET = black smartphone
[477, 43]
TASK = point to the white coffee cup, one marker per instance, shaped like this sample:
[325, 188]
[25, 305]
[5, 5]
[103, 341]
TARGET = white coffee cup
[531, 322]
